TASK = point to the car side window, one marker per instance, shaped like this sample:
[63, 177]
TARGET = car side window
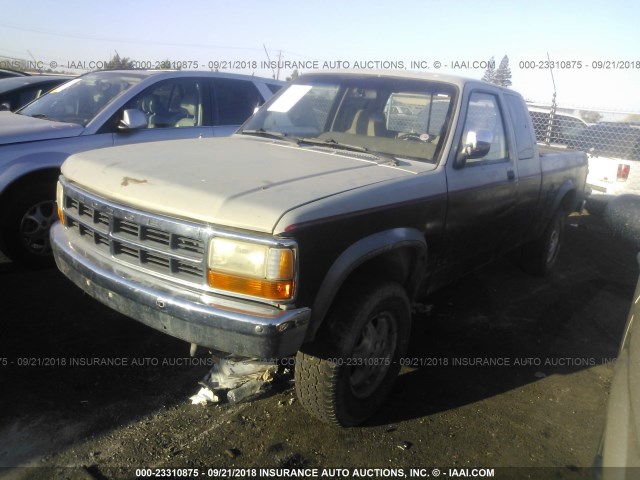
[522, 127]
[236, 100]
[484, 119]
[172, 103]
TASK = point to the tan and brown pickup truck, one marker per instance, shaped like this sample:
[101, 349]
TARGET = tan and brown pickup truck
[312, 230]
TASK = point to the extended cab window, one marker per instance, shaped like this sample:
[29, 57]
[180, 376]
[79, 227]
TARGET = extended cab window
[521, 126]
[485, 121]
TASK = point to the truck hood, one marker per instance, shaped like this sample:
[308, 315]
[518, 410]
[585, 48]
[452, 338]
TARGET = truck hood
[16, 128]
[239, 182]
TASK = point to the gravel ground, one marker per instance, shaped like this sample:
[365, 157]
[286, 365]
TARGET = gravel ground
[539, 406]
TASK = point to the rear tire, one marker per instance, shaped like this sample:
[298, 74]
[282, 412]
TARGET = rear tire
[27, 216]
[347, 373]
[539, 256]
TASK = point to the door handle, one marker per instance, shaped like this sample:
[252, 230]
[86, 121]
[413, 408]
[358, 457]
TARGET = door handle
[511, 175]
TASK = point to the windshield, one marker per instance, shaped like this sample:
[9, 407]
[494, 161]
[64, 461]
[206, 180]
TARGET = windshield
[401, 118]
[80, 100]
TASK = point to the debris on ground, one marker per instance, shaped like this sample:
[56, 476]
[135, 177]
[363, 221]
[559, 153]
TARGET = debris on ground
[235, 379]
[204, 396]
[245, 391]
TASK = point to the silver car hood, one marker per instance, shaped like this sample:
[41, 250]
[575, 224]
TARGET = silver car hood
[238, 182]
[15, 128]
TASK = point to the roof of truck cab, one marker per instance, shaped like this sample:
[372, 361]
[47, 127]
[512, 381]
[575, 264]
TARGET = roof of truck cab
[406, 74]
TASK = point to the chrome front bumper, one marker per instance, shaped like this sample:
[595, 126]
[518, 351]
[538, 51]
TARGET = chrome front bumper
[229, 325]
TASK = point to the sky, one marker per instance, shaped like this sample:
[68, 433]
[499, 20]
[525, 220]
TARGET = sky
[594, 44]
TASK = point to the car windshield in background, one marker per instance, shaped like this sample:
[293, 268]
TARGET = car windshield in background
[405, 119]
[80, 99]
[564, 128]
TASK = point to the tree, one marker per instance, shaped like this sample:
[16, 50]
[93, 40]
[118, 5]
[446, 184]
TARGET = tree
[117, 63]
[503, 74]
[590, 116]
[490, 72]
[293, 75]
[632, 118]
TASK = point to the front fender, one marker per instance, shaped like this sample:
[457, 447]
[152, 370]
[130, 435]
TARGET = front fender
[28, 164]
[21, 160]
[356, 256]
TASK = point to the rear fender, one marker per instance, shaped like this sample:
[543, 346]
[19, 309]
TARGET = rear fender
[566, 197]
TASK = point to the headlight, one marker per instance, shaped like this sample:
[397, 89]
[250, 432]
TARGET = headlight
[251, 269]
[60, 202]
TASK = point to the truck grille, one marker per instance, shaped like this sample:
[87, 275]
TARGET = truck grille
[159, 244]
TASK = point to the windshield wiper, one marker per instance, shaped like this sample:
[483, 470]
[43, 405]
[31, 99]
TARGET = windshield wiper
[39, 115]
[261, 132]
[331, 143]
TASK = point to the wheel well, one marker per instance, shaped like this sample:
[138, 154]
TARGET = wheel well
[568, 201]
[46, 175]
[404, 265]
[396, 265]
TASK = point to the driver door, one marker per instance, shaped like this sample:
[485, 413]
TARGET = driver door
[482, 193]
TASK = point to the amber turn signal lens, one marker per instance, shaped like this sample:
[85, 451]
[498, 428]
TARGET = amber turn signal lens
[255, 287]
[61, 215]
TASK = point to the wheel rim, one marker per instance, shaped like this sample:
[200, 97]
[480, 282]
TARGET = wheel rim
[35, 225]
[373, 354]
[554, 240]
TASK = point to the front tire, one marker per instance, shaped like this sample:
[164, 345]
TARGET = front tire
[26, 218]
[347, 373]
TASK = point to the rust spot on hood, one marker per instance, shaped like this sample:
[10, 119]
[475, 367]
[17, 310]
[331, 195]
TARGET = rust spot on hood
[127, 180]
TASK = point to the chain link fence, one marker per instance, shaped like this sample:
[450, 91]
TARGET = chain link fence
[611, 139]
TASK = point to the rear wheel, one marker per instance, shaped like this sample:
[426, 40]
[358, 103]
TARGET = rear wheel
[348, 372]
[539, 256]
[25, 221]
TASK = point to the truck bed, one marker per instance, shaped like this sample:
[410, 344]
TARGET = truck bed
[547, 149]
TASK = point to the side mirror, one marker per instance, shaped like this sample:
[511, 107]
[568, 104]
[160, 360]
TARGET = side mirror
[132, 119]
[5, 107]
[476, 145]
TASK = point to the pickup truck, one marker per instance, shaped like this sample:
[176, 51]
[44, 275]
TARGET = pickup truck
[102, 109]
[312, 230]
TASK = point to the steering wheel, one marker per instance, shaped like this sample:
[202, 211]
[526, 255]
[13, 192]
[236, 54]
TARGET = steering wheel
[415, 137]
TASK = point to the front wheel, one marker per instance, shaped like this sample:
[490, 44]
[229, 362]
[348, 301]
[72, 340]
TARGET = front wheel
[347, 373]
[25, 221]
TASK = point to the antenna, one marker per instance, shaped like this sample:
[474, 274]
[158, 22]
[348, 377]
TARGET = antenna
[552, 111]
[552, 79]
